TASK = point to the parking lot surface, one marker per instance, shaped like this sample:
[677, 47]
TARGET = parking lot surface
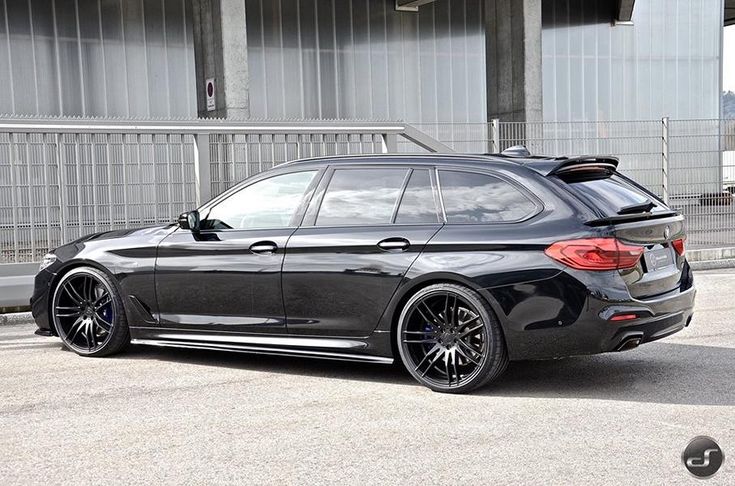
[157, 415]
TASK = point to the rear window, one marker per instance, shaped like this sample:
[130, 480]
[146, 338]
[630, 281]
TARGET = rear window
[614, 195]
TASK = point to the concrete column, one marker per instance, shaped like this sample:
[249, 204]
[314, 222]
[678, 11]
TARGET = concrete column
[513, 55]
[220, 52]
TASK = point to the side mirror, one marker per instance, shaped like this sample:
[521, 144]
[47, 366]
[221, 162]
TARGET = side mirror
[190, 220]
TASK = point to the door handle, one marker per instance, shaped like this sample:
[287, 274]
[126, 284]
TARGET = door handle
[394, 244]
[264, 247]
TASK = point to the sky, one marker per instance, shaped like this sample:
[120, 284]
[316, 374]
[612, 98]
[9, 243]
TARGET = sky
[728, 64]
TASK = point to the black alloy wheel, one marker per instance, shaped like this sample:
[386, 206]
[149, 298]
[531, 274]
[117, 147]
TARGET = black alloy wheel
[87, 313]
[450, 340]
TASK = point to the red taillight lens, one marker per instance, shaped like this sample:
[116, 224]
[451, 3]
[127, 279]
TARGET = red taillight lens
[595, 254]
[679, 246]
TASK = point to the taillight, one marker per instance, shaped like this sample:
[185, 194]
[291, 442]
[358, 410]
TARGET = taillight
[595, 254]
[679, 246]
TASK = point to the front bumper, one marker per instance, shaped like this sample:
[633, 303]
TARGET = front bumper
[40, 300]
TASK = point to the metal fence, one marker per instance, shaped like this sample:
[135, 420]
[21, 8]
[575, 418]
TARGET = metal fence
[62, 179]
[690, 163]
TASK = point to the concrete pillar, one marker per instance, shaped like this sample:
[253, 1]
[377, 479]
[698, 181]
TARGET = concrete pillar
[513, 52]
[220, 52]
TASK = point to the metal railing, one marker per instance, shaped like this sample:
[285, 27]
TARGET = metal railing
[61, 179]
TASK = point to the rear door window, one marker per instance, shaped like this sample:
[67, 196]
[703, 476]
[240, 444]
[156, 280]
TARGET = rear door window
[615, 195]
[361, 197]
[473, 197]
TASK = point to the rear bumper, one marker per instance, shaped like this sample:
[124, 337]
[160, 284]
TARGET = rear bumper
[662, 317]
[589, 330]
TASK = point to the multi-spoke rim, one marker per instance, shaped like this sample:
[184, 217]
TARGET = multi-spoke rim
[444, 339]
[83, 312]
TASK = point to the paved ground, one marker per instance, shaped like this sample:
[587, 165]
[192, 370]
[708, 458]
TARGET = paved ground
[203, 417]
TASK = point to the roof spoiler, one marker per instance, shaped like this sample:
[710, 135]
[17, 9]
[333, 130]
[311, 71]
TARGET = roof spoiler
[587, 163]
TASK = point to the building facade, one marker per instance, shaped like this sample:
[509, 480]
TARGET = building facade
[442, 61]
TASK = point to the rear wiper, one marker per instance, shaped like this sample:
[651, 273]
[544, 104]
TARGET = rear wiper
[643, 207]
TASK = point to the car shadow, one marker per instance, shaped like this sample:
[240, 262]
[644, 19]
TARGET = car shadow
[332, 369]
[667, 373]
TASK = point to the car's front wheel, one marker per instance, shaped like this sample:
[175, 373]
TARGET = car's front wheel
[450, 340]
[88, 313]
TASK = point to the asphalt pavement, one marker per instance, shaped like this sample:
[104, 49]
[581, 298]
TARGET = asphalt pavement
[155, 415]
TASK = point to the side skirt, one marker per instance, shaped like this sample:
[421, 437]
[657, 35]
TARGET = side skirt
[274, 345]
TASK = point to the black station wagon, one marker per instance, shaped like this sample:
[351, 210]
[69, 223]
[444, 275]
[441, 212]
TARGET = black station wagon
[452, 264]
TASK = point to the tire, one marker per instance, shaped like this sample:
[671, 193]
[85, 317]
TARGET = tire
[430, 327]
[88, 314]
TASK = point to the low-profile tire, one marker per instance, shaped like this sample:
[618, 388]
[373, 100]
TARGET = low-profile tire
[88, 314]
[450, 340]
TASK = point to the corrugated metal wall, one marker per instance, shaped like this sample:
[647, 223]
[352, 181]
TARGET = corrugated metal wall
[361, 59]
[666, 64]
[129, 58]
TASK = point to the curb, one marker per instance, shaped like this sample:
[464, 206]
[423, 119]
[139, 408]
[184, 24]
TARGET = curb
[712, 264]
[16, 319]
[711, 254]
[711, 258]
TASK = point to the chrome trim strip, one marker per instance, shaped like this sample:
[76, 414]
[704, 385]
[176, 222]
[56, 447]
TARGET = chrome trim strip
[441, 196]
[280, 341]
[264, 350]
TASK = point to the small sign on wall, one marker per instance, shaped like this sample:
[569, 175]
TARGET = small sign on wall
[210, 94]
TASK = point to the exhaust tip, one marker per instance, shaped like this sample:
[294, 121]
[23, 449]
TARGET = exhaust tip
[629, 343]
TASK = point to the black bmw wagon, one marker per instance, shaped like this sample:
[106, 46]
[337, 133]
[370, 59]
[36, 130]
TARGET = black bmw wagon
[452, 264]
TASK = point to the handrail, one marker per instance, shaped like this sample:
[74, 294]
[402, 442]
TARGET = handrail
[195, 126]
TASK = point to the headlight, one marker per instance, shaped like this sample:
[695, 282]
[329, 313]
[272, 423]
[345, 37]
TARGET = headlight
[48, 260]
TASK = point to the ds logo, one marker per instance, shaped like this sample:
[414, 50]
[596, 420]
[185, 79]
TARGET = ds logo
[702, 457]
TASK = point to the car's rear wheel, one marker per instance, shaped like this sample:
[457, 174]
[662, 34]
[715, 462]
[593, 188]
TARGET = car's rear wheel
[450, 340]
[88, 313]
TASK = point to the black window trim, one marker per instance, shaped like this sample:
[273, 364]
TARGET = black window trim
[312, 212]
[298, 215]
[539, 205]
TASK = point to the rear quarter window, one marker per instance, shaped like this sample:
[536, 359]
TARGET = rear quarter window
[612, 195]
[475, 198]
